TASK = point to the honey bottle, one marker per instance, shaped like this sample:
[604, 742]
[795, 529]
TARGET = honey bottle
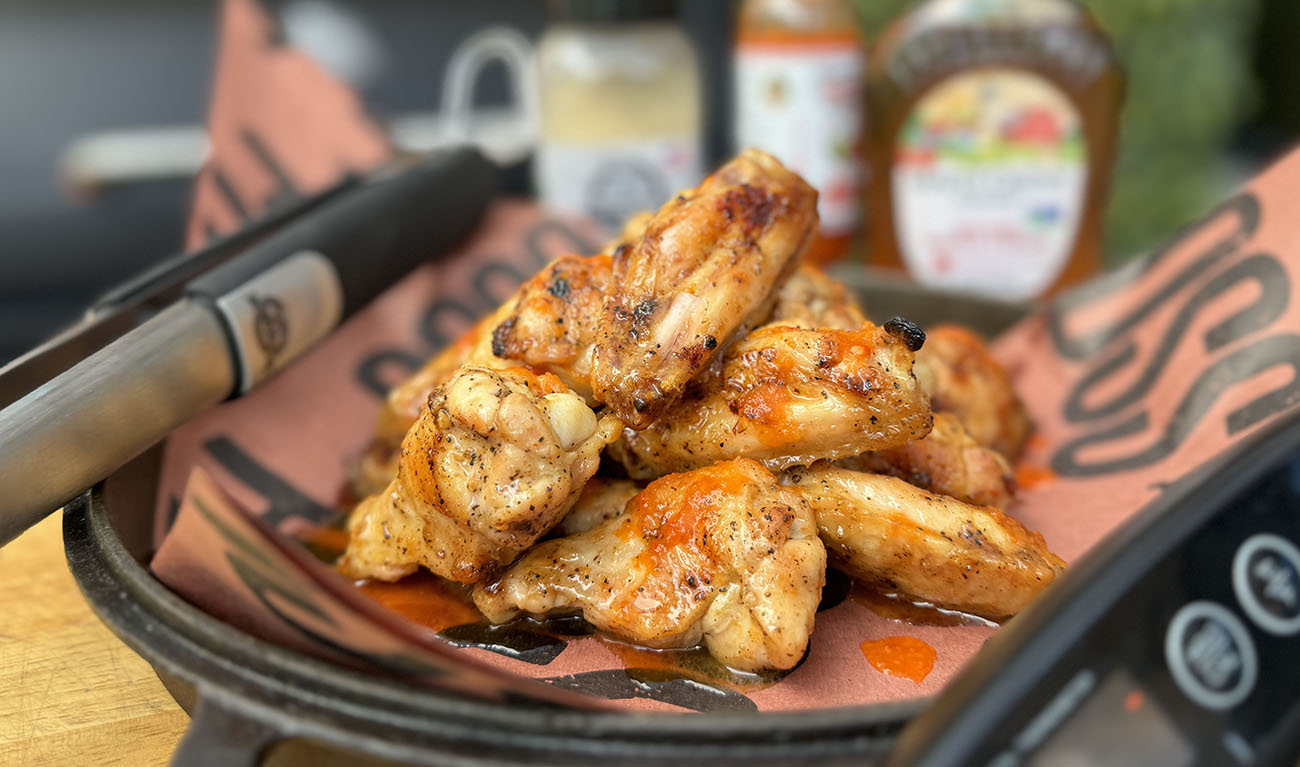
[799, 74]
[991, 140]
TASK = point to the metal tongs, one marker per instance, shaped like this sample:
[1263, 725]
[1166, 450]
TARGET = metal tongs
[210, 325]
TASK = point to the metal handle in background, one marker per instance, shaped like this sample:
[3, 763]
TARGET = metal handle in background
[87, 422]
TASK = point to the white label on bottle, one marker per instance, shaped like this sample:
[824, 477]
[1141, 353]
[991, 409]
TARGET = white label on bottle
[988, 184]
[612, 180]
[280, 313]
[804, 106]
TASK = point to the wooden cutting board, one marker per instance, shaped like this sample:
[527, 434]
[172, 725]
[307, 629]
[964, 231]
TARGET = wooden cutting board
[72, 692]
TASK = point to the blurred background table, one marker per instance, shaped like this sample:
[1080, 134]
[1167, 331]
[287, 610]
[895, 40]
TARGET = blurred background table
[74, 694]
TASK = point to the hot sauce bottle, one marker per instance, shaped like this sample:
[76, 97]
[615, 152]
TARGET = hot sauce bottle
[799, 73]
[992, 137]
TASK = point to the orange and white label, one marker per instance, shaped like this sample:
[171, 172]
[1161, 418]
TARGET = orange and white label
[803, 104]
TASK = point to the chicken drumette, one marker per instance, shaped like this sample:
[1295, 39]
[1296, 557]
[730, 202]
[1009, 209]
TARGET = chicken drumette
[495, 460]
[547, 325]
[722, 555]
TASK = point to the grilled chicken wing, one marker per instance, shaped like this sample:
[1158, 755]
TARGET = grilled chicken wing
[601, 499]
[948, 461]
[703, 271]
[810, 299]
[956, 369]
[886, 532]
[408, 399]
[495, 460]
[549, 324]
[405, 402]
[722, 555]
[553, 323]
[790, 396]
[633, 230]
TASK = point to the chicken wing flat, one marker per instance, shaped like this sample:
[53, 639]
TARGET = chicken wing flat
[790, 396]
[810, 299]
[723, 555]
[552, 326]
[883, 531]
[948, 461]
[494, 461]
[960, 375]
[601, 499]
[702, 273]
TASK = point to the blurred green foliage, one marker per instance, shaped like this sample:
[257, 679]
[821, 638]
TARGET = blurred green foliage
[1189, 86]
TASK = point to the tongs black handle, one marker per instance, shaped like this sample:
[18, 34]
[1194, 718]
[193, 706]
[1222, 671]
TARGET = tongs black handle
[131, 302]
[236, 325]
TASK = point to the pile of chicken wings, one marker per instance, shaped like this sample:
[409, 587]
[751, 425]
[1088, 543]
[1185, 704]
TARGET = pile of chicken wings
[748, 425]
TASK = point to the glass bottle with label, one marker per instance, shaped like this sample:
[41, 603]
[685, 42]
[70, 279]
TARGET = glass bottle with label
[798, 95]
[992, 132]
[620, 100]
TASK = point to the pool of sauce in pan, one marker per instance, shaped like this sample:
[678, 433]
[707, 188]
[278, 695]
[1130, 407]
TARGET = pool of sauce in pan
[895, 607]
[439, 604]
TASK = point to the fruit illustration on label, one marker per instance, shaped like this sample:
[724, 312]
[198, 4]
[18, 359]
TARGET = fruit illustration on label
[990, 171]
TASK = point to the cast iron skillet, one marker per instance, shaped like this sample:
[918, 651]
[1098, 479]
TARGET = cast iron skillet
[255, 703]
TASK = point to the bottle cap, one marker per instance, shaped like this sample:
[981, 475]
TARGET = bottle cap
[613, 10]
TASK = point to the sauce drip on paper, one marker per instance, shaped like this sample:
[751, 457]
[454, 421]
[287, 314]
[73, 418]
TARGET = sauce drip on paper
[901, 656]
[430, 601]
[424, 599]
[1029, 476]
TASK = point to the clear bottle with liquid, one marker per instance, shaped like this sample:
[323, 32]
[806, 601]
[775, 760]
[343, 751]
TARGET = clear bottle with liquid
[621, 113]
[992, 137]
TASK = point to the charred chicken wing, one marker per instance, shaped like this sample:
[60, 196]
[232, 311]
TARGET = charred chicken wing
[553, 324]
[790, 396]
[722, 555]
[494, 461]
[549, 325]
[883, 531]
[703, 272]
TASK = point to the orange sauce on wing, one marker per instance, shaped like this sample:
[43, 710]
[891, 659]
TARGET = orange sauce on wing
[675, 523]
[767, 407]
[901, 656]
[539, 382]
